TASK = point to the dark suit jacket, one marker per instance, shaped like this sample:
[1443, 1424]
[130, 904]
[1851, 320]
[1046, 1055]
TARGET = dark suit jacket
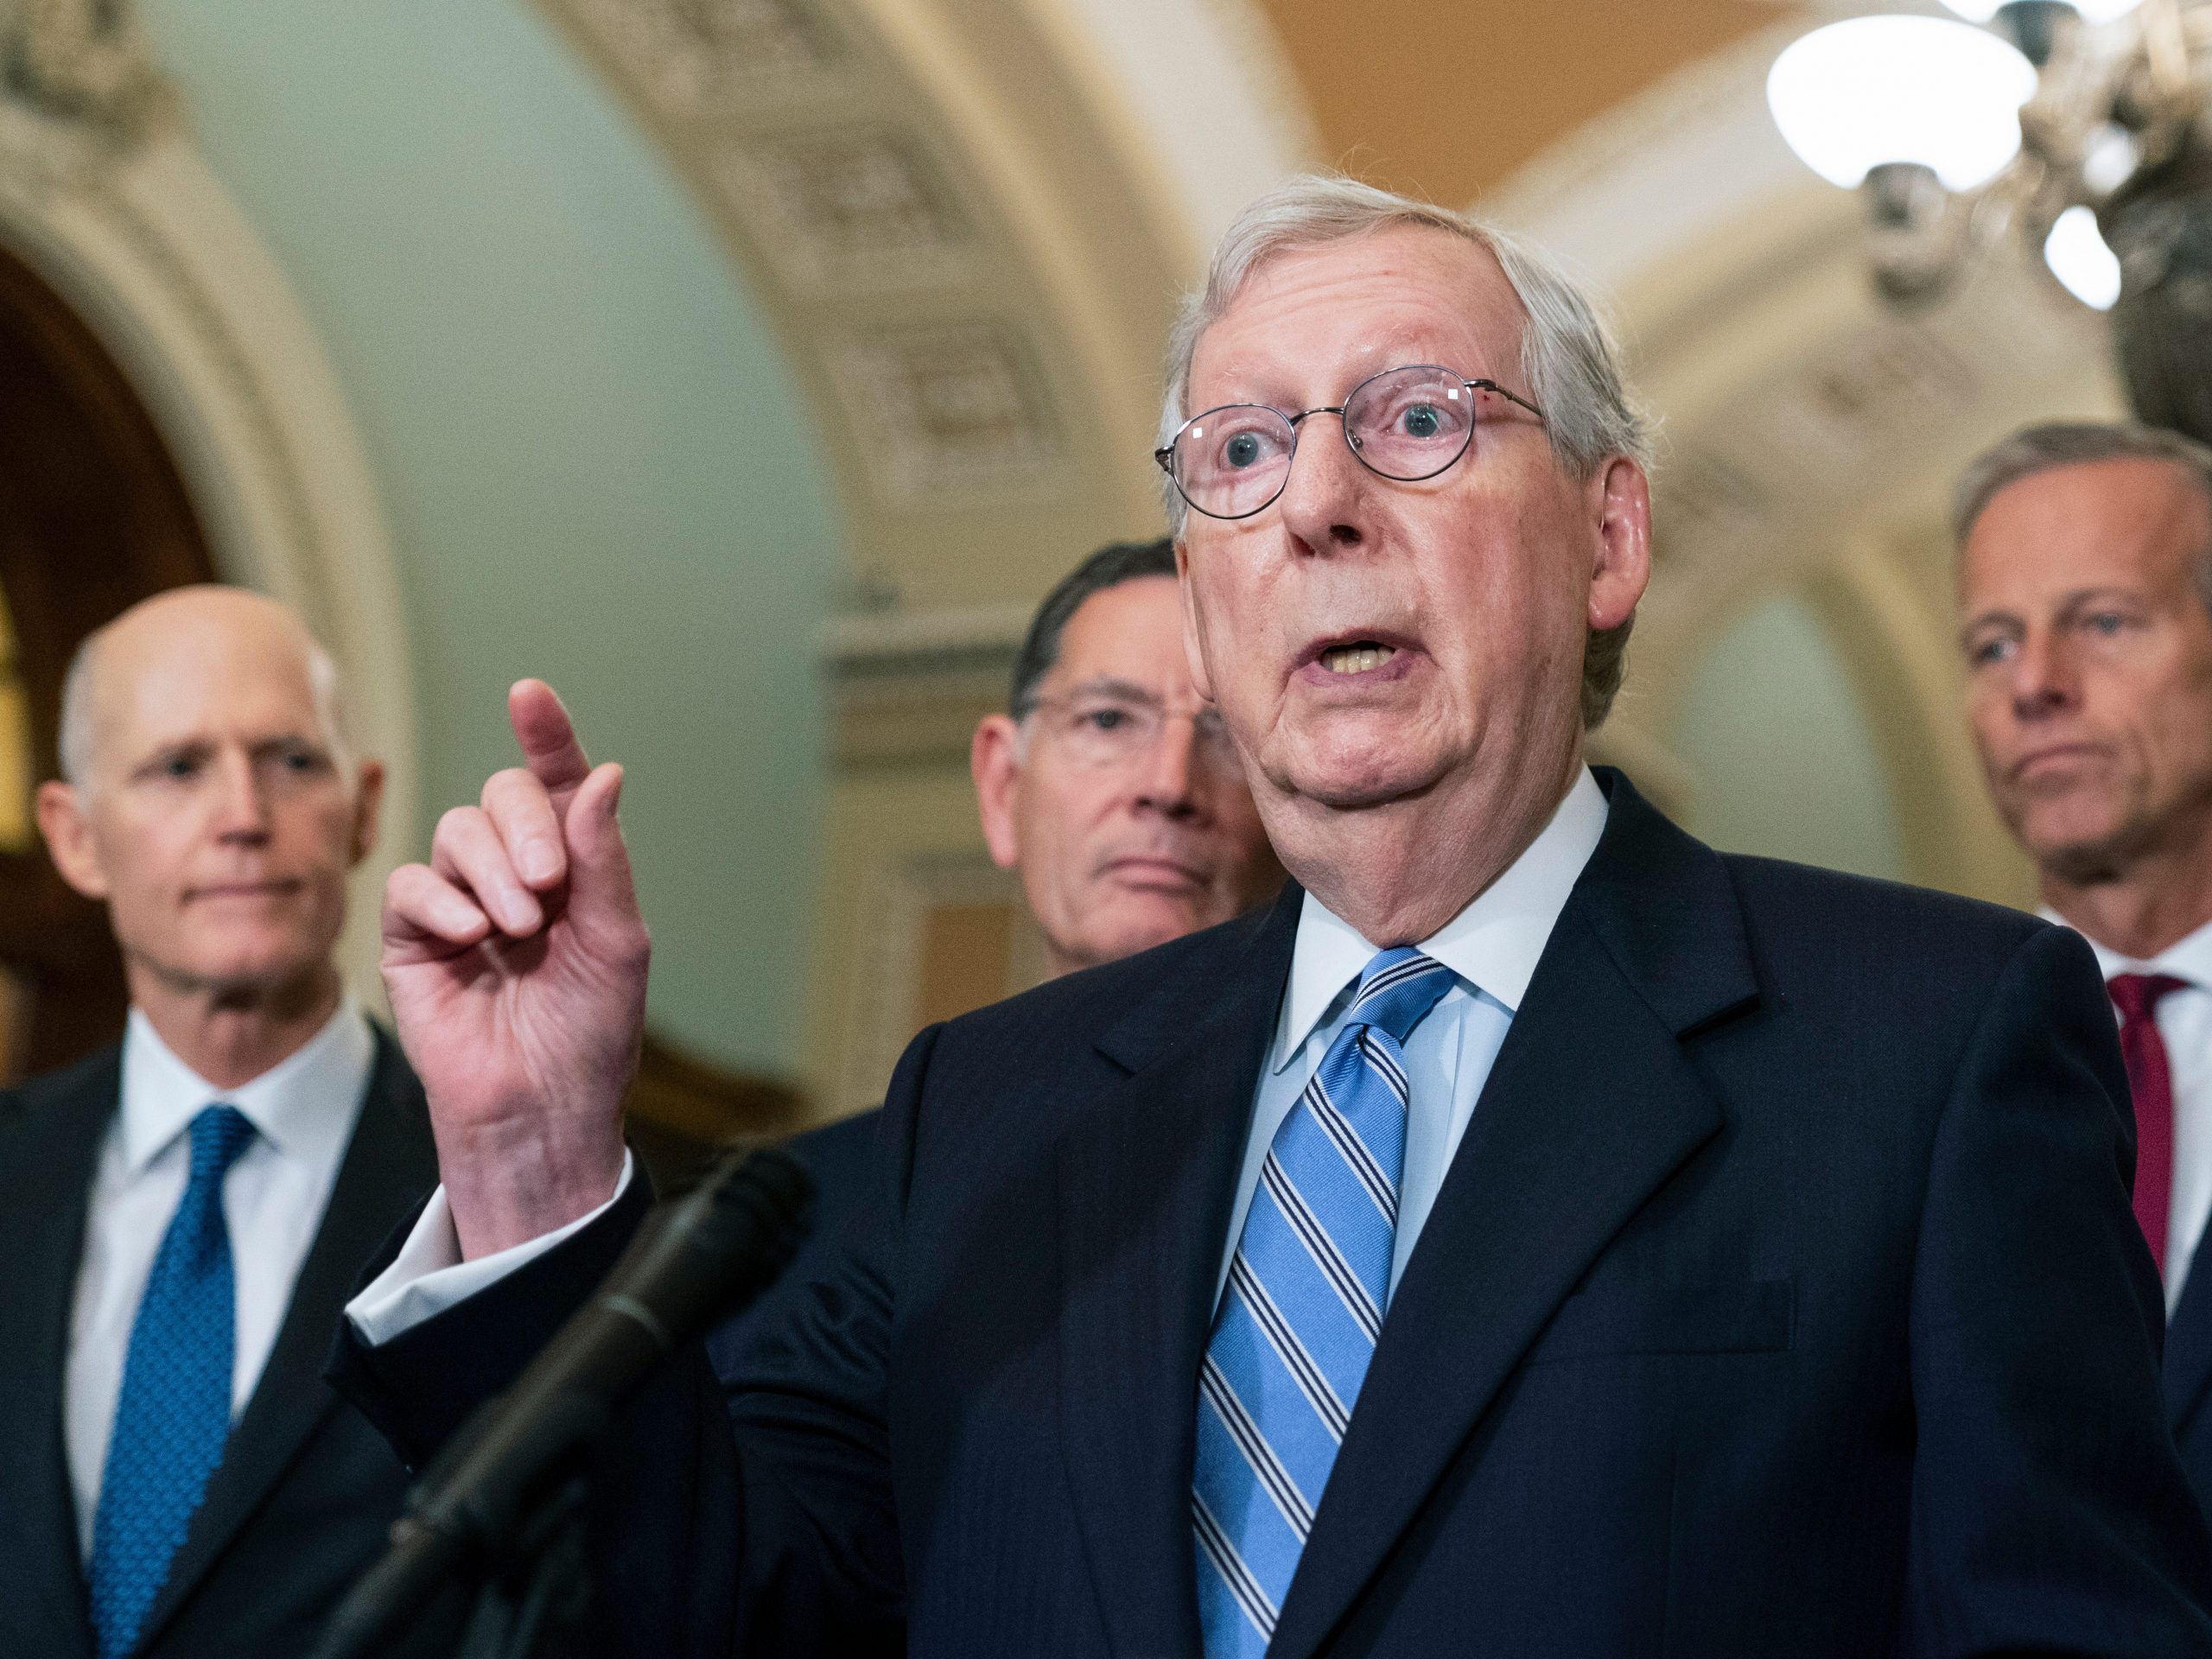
[2189, 1378]
[305, 1490]
[839, 1158]
[1783, 1299]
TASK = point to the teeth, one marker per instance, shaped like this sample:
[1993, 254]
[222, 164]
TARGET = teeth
[1356, 659]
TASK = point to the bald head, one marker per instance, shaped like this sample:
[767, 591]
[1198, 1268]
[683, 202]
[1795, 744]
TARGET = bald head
[190, 632]
[210, 800]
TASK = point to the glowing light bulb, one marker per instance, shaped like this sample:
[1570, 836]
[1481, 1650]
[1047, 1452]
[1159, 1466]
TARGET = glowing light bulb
[2078, 256]
[1870, 90]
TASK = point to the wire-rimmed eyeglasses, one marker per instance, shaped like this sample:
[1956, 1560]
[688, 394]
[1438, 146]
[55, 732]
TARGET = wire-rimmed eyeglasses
[1407, 423]
[1113, 728]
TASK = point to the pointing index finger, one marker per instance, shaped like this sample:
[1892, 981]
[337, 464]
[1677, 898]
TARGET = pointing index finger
[547, 736]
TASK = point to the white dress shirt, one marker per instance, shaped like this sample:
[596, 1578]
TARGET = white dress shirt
[2184, 1020]
[1492, 945]
[303, 1112]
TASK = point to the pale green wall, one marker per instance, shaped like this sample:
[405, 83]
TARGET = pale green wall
[592, 459]
[1784, 759]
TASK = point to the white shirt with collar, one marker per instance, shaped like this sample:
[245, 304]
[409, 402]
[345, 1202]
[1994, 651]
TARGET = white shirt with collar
[2184, 1020]
[303, 1112]
[1492, 945]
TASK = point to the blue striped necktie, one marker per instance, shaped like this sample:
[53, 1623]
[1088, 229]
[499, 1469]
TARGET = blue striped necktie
[173, 1415]
[1304, 1305]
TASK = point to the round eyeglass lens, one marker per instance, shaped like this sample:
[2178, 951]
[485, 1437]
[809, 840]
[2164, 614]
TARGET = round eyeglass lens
[1410, 423]
[1231, 462]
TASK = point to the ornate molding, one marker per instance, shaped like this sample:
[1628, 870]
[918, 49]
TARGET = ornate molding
[701, 57]
[855, 205]
[909, 686]
[952, 411]
[79, 87]
[833, 172]
[153, 254]
[963, 244]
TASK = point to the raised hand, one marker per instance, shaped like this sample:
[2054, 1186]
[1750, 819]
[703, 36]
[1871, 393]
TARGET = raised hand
[516, 962]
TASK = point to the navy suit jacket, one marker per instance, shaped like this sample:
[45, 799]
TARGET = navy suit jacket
[2189, 1379]
[1783, 1298]
[839, 1158]
[306, 1493]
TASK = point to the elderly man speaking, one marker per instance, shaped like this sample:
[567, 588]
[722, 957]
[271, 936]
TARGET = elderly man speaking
[1538, 1235]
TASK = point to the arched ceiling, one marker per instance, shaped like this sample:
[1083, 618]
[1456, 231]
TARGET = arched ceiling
[588, 441]
[880, 346]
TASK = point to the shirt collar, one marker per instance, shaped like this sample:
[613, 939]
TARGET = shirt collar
[1492, 945]
[304, 1105]
[2188, 958]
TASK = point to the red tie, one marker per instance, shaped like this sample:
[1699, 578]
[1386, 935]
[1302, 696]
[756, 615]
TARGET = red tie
[2151, 1080]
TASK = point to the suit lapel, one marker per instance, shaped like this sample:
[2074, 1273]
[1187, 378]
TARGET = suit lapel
[1589, 1109]
[2188, 1372]
[1147, 1176]
[389, 1163]
[50, 1137]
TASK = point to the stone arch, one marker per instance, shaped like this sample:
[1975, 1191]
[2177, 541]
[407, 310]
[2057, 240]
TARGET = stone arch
[137, 237]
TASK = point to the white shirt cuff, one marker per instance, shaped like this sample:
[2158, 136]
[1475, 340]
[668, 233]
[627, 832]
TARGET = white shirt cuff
[428, 1276]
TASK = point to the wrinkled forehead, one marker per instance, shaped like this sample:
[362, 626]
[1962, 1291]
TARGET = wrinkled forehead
[1308, 321]
[2143, 523]
[206, 683]
[1130, 634]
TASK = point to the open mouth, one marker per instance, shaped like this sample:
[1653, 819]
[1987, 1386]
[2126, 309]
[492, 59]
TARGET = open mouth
[1356, 658]
[1353, 654]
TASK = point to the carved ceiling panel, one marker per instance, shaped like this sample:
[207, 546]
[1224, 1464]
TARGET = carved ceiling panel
[977, 326]
[710, 57]
[950, 410]
[851, 208]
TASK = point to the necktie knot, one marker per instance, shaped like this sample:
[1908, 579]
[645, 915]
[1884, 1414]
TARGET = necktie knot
[2138, 994]
[219, 1132]
[1397, 989]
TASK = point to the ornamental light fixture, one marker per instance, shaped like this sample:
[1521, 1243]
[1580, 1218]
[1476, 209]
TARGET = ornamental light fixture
[2081, 134]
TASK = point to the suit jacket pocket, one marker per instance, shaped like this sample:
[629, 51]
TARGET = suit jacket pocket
[1747, 1317]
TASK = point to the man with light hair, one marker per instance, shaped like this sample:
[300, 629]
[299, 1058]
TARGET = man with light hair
[182, 1213]
[1538, 1234]
[2085, 601]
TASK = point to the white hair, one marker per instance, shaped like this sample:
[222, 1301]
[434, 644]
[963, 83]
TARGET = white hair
[78, 731]
[1568, 355]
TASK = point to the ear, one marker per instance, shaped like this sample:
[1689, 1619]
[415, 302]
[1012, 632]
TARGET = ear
[994, 762]
[1194, 646]
[368, 807]
[1621, 497]
[68, 835]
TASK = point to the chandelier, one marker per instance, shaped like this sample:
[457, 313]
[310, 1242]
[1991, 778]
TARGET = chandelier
[2081, 133]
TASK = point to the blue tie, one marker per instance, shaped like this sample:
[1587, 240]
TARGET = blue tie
[173, 1413]
[1304, 1305]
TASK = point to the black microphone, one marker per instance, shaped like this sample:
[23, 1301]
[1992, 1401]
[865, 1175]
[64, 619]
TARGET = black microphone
[696, 1260]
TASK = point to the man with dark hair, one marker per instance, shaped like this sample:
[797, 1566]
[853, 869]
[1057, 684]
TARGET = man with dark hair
[2085, 573]
[1111, 789]
[1109, 784]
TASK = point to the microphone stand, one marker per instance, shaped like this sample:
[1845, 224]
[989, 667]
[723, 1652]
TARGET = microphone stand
[535, 1608]
[503, 1504]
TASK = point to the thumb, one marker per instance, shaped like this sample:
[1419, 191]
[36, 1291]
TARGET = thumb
[601, 893]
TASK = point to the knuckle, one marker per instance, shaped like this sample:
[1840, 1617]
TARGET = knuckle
[457, 824]
[407, 881]
[510, 783]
